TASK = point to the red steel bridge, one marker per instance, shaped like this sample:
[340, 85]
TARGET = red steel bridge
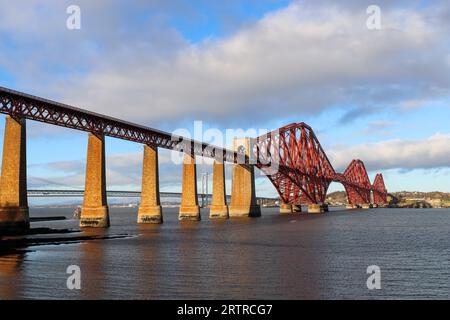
[303, 172]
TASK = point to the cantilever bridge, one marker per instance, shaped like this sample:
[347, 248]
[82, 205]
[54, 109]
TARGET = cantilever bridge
[305, 172]
[291, 157]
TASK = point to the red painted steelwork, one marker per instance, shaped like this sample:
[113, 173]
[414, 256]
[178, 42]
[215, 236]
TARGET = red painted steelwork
[309, 172]
[379, 191]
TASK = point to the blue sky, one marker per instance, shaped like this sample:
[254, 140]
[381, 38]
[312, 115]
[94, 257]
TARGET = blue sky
[382, 96]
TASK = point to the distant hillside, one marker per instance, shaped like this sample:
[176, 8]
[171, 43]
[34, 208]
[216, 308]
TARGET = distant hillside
[338, 198]
[405, 199]
[433, 199]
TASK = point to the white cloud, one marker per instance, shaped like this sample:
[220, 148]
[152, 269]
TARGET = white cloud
[301, 59]
[293, 61]
[433, 152]
[408, 105]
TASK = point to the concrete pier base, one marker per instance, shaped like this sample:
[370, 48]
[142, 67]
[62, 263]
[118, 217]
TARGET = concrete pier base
[150, 207]
[150, 214]
[218, 212]
[94, 217]
[189, 209]
[14, 213]
[366, 206]
[189, 213]
[95, 212]
[317, 208]
[14, 220]
[286, 208]
[219, 208]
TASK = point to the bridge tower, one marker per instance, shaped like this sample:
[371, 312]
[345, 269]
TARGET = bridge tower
[14, 214]
[243, 194]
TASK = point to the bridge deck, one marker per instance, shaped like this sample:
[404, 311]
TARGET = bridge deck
[18, 104]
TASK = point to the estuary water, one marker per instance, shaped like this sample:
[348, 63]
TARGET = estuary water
[273, 257]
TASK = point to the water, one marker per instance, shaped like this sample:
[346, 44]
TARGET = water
[272, 257]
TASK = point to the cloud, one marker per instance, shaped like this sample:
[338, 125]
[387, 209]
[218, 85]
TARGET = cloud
[294, 61]
[355, 113]
[430, 153]
[304, 58]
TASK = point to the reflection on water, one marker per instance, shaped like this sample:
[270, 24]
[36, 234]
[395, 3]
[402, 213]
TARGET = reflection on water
[10, 285]
[273, 257]
[92, 265]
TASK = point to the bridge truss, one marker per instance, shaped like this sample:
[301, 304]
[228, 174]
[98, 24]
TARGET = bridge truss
[310, 173]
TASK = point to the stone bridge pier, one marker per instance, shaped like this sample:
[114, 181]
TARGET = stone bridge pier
[150, 207]
[14, 216]
[243, 193]
[95, 212]
[189, 209]
[219, 208]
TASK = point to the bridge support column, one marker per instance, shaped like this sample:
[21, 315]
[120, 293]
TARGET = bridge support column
[219, 208]
[150, 207]
[290, 208]
[94, 212]
[14, 216]
[189, 209]
[366, 206]
[286, 208]
[243, 195]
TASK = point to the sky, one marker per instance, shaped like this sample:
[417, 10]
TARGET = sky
[380, 95]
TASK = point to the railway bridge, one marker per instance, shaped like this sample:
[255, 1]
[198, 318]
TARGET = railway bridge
[291, 157]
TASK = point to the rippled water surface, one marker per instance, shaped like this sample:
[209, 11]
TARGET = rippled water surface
[272, 257]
